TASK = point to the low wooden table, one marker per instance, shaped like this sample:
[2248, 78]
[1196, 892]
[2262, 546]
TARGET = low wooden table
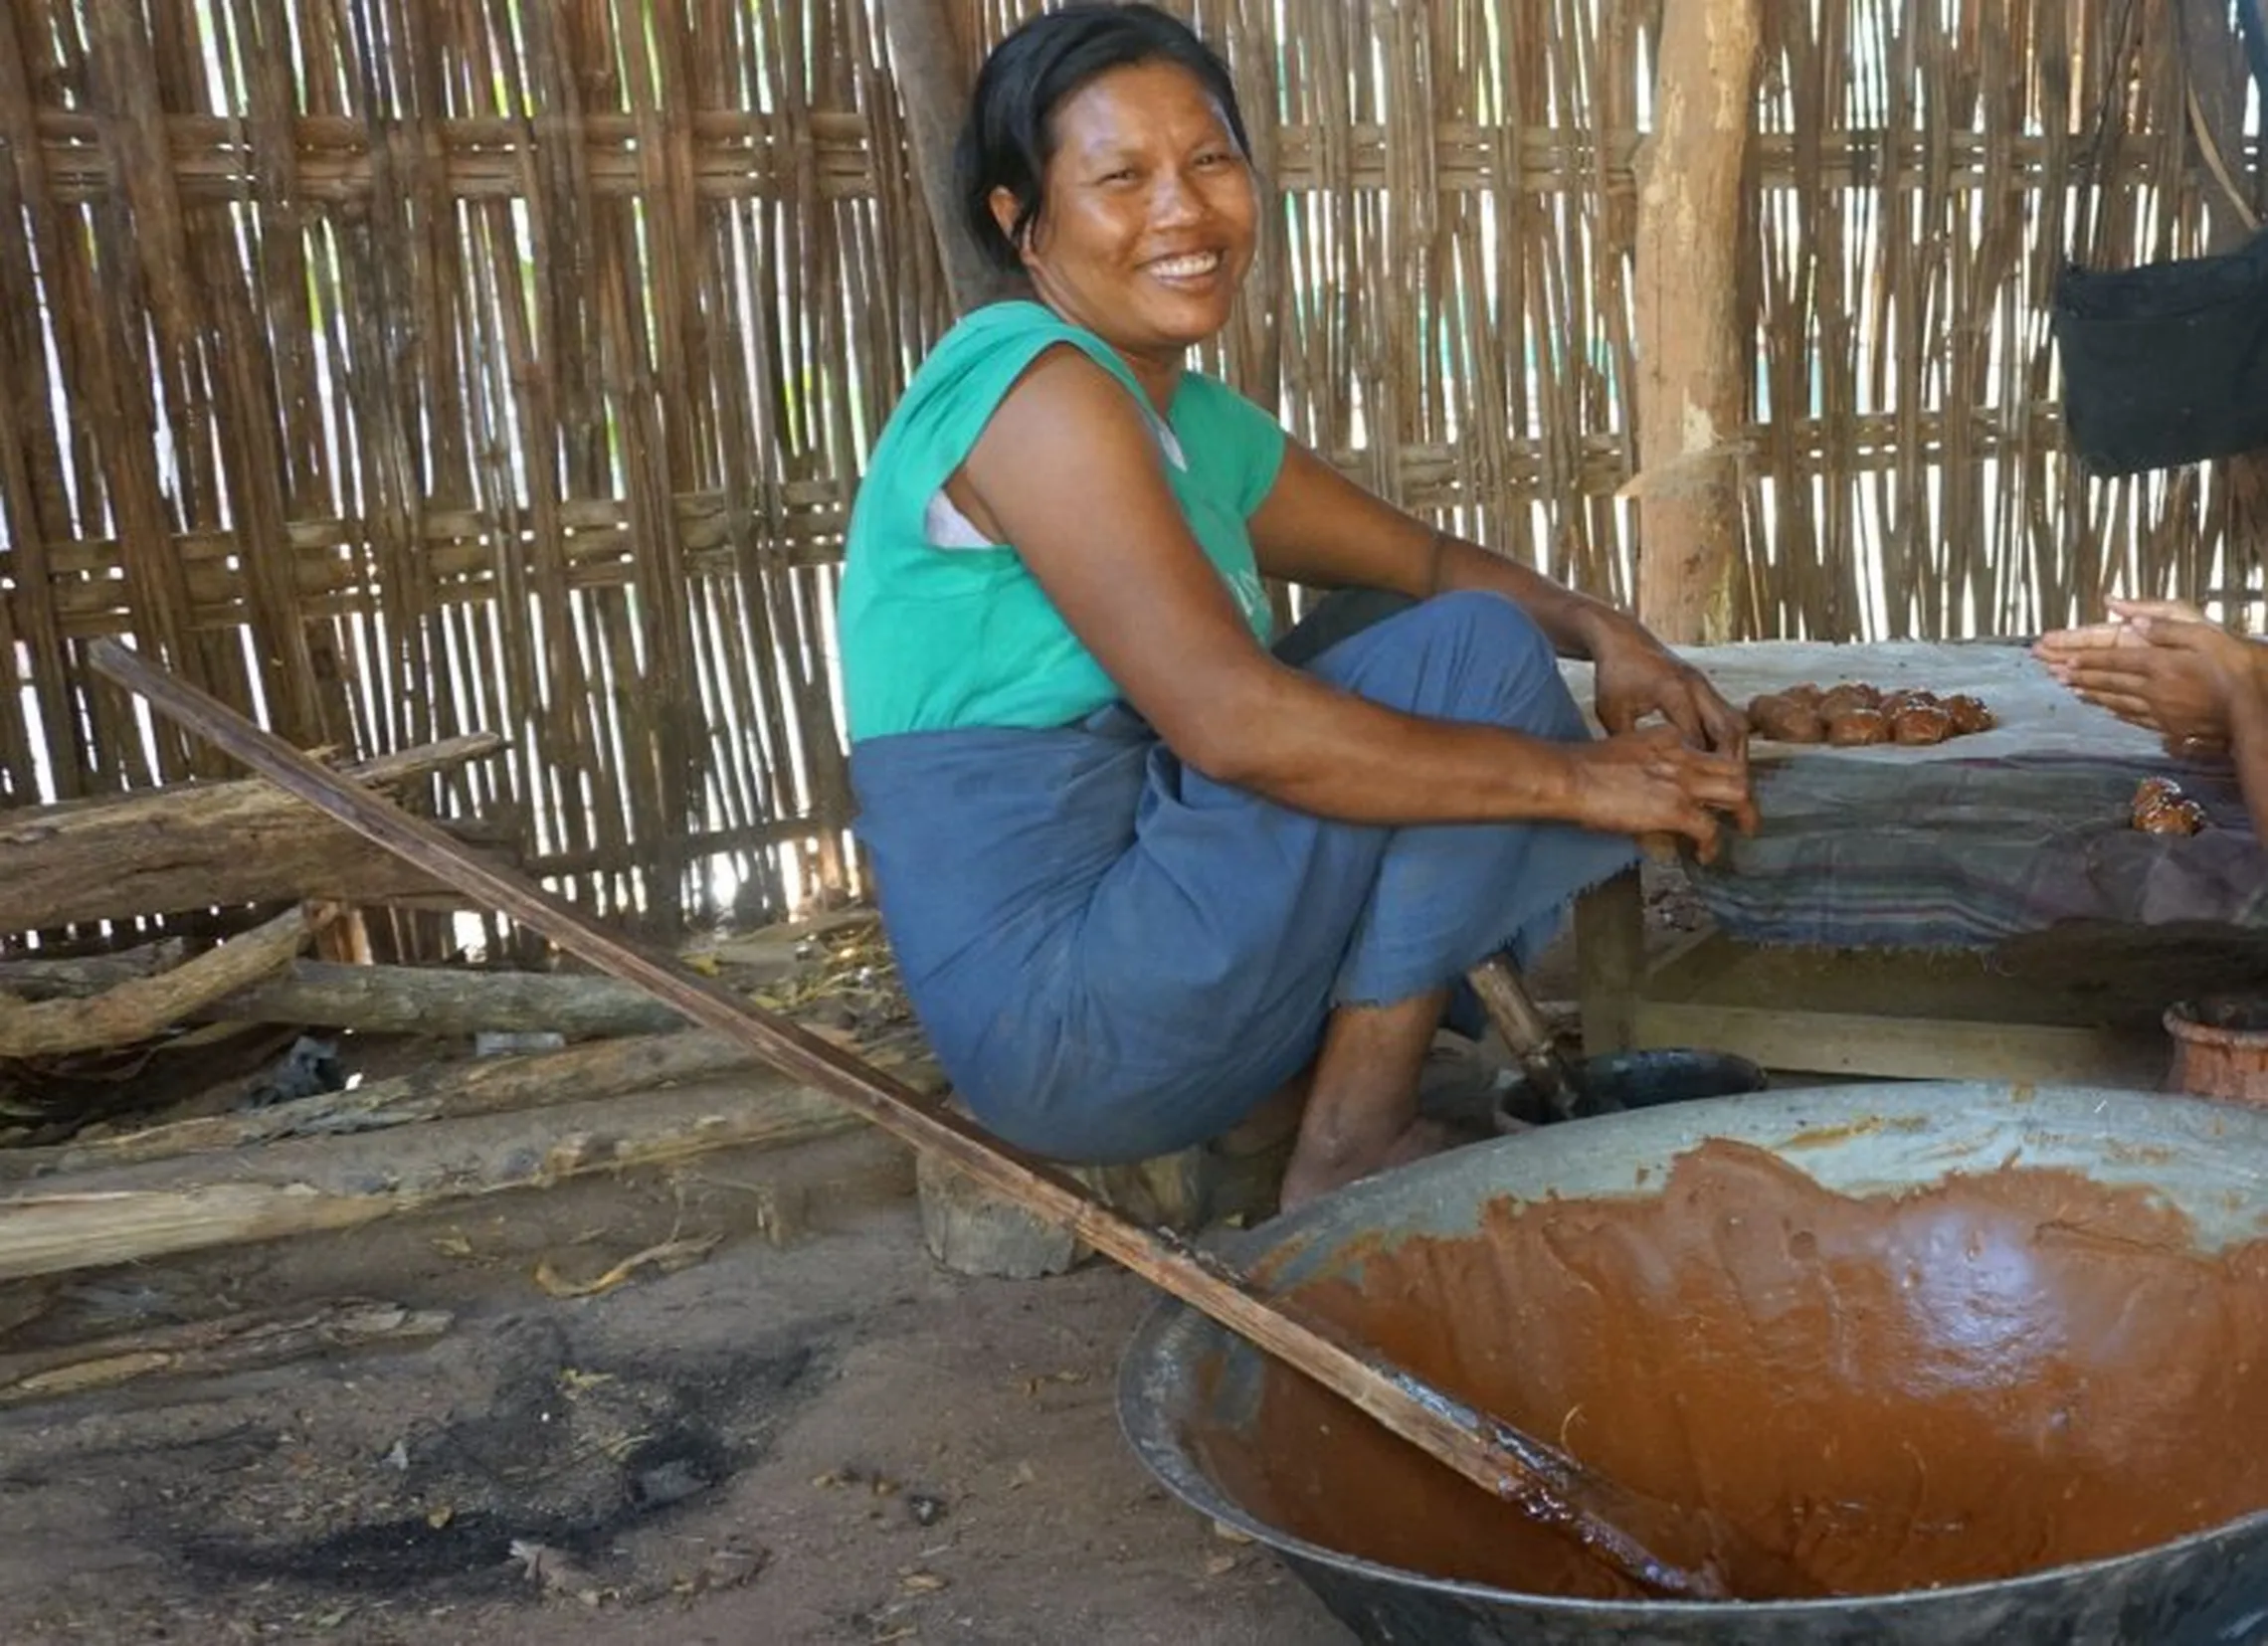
[2068, 1005]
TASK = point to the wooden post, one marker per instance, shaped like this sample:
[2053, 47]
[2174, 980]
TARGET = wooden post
[1611, 959]
[1693, 357]
[933, 75]
[2213, 58]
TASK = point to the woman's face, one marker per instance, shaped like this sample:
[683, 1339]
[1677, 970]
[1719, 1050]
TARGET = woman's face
[1146, 215]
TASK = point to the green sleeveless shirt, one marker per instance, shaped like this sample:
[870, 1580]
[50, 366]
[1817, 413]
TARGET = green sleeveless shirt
[940, 630]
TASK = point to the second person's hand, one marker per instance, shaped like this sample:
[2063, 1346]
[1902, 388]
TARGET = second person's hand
[2176, 676]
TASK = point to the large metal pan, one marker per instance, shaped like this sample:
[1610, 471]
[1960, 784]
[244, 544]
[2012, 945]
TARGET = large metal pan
[1181, 1373]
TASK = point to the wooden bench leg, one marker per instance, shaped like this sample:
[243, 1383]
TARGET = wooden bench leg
[1610, 963]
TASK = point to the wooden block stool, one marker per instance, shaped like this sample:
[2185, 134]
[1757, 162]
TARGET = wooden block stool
[974, 1231]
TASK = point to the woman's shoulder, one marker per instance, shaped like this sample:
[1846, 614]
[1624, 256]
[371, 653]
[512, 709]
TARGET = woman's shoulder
[970, 371]
[955, 389]
[999, 322]
[1012, 332]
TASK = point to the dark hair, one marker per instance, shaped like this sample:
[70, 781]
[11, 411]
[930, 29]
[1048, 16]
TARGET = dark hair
[1008, 136]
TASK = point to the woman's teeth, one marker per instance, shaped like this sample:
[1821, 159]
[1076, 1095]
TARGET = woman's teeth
[1189, 268]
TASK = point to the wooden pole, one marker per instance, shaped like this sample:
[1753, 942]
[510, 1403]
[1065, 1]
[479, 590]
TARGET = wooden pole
[934, 72]
[214, 1347]
[1693, 355]
[2213, 58]
[1554, 1489]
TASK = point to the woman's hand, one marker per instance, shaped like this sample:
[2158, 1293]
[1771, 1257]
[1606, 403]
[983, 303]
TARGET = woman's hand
[1636, 675]
[2161, 666]
[1654, 782]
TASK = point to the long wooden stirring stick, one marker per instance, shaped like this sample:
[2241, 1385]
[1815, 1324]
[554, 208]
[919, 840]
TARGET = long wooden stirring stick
[1550, 1486]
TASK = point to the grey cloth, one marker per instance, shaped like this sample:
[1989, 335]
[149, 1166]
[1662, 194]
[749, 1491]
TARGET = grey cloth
[1967, 854]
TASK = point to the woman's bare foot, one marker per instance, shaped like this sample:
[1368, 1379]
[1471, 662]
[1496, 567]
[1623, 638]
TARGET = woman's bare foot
[1361, 1108]
[1308, 1177]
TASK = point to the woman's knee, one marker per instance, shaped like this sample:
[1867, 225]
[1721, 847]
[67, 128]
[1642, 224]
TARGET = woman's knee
[1466, 655]
[1496, 627]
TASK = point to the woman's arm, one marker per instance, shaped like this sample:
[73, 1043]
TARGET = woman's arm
[1067, 471]
[2248, 747]
[1318, 527]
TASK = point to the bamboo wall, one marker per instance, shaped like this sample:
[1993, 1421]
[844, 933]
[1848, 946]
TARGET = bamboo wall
[404, 367]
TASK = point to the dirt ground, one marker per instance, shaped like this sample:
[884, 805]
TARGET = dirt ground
[807, 1432]
[827, 1441]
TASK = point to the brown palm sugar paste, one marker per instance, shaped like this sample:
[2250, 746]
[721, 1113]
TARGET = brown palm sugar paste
[1998, 1374]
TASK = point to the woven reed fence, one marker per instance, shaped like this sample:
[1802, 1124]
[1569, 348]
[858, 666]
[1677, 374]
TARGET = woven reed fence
[396, 368]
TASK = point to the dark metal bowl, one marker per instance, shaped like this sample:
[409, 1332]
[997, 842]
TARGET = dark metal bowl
[2209, 1159]
[1635, 1080]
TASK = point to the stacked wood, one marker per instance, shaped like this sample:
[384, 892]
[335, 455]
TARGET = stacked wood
[203, 846]
[641, 1090]
[158, 1207]
[447, 1131]
[141, 1008]
[440, 1091]
[451, 1128]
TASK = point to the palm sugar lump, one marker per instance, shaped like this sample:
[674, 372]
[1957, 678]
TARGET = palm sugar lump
[1855, 713]
[2160, 808]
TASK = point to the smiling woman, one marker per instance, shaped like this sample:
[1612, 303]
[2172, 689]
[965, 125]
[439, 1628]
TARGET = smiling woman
[1143, 184]
[1145, 868]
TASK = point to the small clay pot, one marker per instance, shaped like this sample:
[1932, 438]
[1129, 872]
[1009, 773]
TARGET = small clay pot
[2221, 1047]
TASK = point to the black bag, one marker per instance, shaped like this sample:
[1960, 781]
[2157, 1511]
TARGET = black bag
[2166, 364]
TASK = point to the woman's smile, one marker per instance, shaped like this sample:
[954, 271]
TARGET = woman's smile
[1194, 270]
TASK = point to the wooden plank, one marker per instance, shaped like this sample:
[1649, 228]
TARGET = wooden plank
[1905, 1049]
[1903, 1014]
[432, 1000]
[2109, 983]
